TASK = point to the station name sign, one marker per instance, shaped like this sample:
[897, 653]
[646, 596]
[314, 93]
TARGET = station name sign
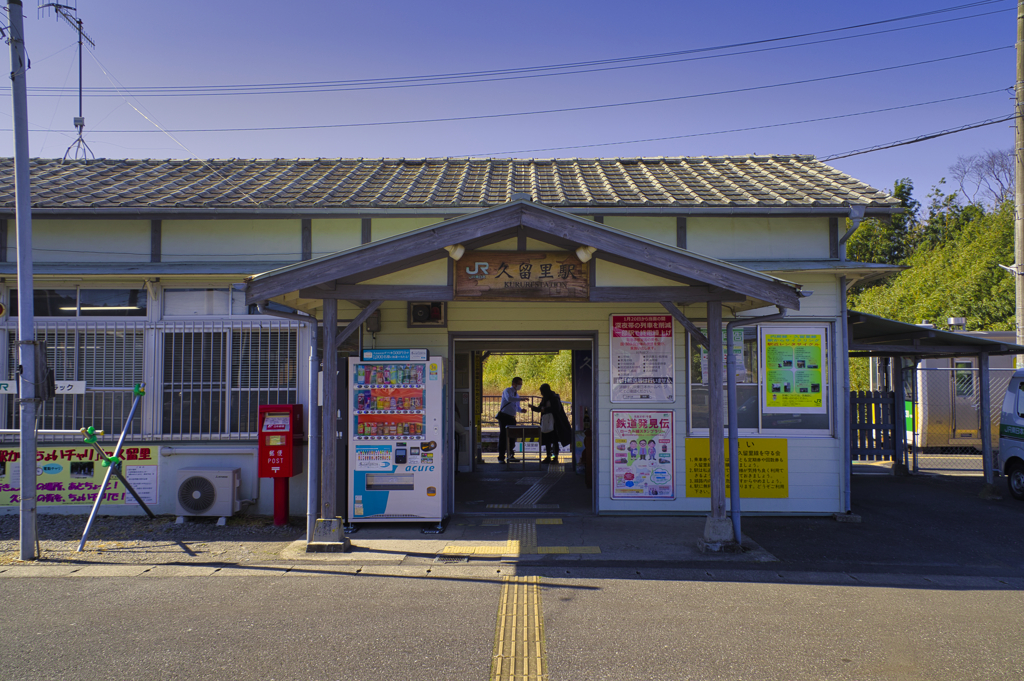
[521, 275]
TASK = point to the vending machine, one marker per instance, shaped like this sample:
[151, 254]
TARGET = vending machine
[397, 460]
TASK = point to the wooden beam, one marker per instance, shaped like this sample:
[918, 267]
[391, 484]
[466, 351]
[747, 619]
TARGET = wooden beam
[155, 240]
[3, 239]
[307, 239]
[833, 238]
[355, 323]
[681, 233]
[687, 324]
[657, 294]
[366, 235]
[362, 292]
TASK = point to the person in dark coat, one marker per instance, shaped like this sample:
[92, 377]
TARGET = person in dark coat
[557, 422]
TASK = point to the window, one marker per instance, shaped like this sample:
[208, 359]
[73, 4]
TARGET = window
[215, 376]
[781, 380]
[108, 357]
[963, 378]
[85, 302]
[745, 350]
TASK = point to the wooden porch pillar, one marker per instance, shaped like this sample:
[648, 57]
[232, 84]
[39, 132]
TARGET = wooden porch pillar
[716, 417]
[329, 440]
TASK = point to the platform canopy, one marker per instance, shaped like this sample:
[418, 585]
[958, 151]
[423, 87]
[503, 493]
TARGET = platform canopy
[874, 336]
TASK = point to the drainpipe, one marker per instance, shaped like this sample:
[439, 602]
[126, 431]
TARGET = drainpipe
[856, 215]
[313, 422]
[734, 446]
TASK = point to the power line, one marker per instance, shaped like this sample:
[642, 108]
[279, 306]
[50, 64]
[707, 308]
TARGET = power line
[591, 107]
[746, 129]
[920, 138]
[518, 73]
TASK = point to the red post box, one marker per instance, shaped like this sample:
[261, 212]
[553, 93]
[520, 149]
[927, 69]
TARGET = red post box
[280, 431]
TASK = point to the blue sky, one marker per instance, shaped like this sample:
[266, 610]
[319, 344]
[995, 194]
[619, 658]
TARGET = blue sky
[141, 43]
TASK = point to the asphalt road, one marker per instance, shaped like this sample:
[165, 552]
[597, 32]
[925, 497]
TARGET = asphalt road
[930, 585]
[404, 624]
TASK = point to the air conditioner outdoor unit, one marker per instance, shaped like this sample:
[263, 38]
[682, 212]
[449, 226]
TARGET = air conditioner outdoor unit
[208, 491]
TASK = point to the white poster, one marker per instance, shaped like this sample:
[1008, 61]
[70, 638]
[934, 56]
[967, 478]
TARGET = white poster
[143, 480]
[642, 358]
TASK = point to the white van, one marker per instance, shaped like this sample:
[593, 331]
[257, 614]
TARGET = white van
[1011, 436]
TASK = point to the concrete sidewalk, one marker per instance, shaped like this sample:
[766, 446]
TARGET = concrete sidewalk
[915, 525]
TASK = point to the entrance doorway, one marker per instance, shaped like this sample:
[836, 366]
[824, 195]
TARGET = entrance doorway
[484, 486]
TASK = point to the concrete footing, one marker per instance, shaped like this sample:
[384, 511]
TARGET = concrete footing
[329, 537]
[718, 537]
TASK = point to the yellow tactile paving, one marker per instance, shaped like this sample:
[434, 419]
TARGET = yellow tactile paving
[519, 648]
[522, 541]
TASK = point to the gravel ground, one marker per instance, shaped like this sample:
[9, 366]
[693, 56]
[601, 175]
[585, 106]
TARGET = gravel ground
[139, 540]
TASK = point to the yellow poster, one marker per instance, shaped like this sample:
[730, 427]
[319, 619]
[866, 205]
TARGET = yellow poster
[764, 468]
[68, 475]
[793, 373]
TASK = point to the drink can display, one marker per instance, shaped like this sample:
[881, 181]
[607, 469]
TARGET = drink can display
[361, 401]
[393, 403]
[360, 374]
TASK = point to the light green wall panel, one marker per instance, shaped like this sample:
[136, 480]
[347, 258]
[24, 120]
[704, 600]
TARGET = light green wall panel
[334, 235]
[385, 228]
[661, 229]
[231, 240]
[84, 241]
[611, 274]
[758, 238]
[431, 274]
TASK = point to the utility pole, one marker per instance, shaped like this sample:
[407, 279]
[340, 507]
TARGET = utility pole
[1018, 194]
[26, 312]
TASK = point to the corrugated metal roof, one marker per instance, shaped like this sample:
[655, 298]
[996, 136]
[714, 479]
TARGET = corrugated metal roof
[753, 182]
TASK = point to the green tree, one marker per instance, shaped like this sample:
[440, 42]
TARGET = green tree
[889, 242]
[955, 270]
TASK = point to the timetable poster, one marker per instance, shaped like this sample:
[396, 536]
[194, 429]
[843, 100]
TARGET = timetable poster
[642, 358]
[793, 372]
[643, 455]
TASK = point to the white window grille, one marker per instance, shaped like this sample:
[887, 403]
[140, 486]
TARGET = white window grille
[216, 374]
[108, 356]
[205, 379]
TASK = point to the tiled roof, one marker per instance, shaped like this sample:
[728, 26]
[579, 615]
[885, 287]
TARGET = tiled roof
[302, 184]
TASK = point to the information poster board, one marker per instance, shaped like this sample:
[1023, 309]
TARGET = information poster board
[794, 370]
[68, 476]
[764, 468]
[642, 358]
[643, 455]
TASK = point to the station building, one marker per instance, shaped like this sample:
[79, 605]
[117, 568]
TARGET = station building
[196, 278]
